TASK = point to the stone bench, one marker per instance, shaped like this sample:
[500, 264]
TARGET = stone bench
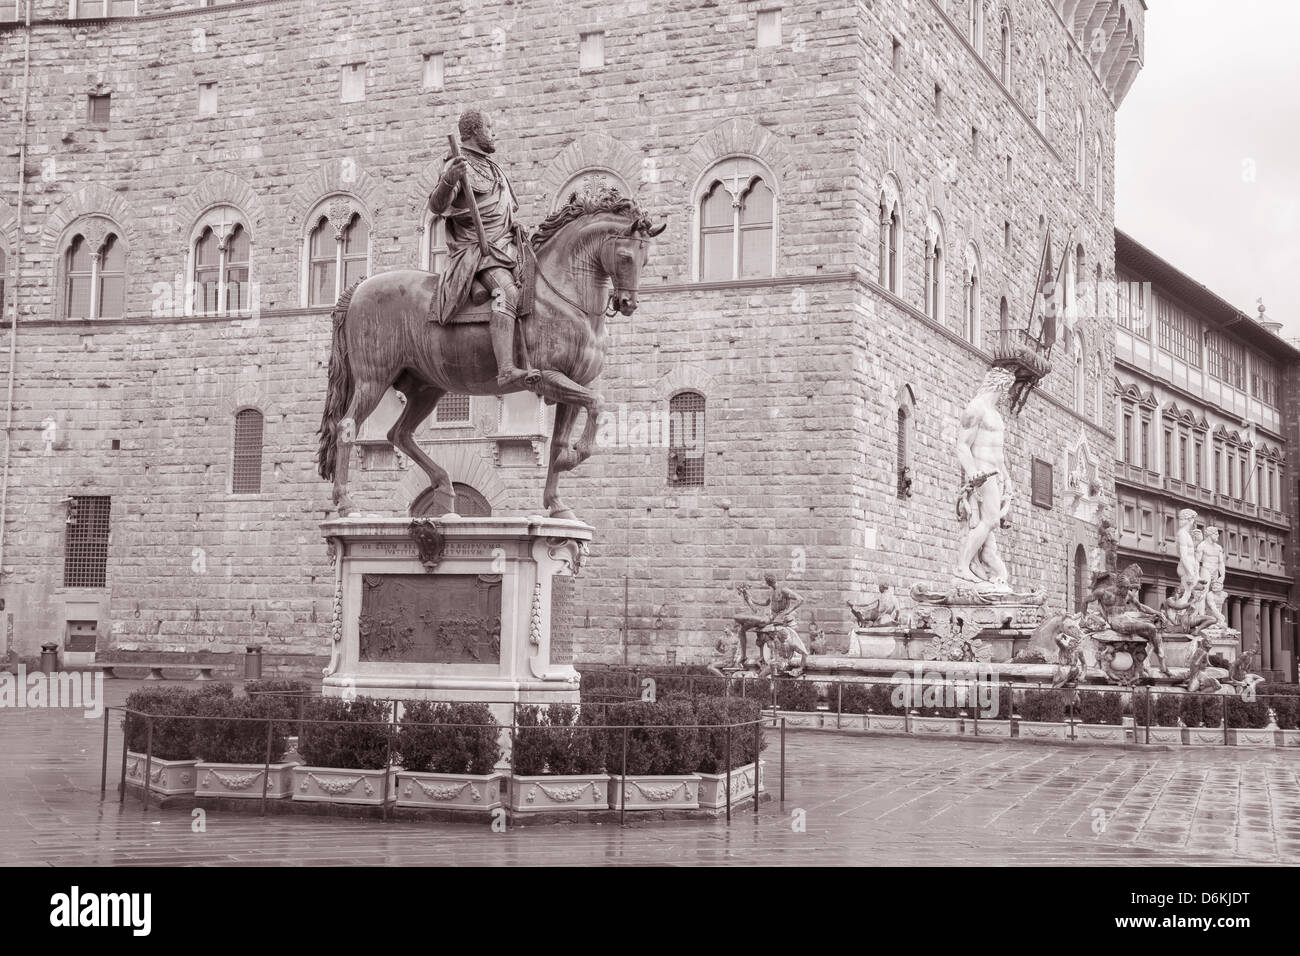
[155, 668]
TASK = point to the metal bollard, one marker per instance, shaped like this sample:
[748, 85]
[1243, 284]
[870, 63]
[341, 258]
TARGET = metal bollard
[253, 664]
[49, 658]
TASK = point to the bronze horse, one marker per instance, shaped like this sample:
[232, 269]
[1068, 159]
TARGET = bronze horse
[382, 337]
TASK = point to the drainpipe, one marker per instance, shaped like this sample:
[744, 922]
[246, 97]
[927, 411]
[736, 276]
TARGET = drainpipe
[18, 274]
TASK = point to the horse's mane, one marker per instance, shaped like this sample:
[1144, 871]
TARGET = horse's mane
[607, 199]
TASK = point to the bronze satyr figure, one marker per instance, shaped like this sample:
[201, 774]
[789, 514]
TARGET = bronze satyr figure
[383, 336]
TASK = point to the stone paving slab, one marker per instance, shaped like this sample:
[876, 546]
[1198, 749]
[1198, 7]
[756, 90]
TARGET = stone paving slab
[851, 799]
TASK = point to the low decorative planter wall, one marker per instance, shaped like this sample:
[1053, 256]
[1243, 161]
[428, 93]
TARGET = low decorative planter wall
[922, 726]
[655, 793]
[800, 718]
[887, 723]
[244, 780]
[333, 785]
[559, 792]
[713, 786]
[1042, 730]
[989, 728]
[1252, 737]
[168, 777]
[1160, 735]
[846, 722]
[450, 791]
[1288, 738]
[1205, 736]
[1101, 733]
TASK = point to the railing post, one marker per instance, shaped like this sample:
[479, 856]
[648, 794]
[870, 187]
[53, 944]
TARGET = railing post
[121, 785]
[622, 784]
[103, 763]
[783, 762]
[266, 767]
[729, 769]
[148, 758]
[839, 702]
[1225, 719]
[1147, 694]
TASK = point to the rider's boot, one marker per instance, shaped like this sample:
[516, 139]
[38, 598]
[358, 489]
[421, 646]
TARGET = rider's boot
[502, 327]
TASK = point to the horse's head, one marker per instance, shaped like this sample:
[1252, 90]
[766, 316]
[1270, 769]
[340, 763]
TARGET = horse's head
[623, 256]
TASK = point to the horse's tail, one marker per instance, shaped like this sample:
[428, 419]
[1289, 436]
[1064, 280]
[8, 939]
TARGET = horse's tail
[339, 393]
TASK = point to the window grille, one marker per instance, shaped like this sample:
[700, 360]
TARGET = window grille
[686, 439]
[85, 558]
[453, 408]
[246, 470]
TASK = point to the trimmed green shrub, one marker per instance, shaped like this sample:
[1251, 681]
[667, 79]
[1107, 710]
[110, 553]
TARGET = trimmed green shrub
[221, 738]
[173, 735]
[1047, 706]
[661, 738]
[1198, 711]
[852, 697]
[448, 738]
[880, 699]
[1165, 709]
[1100, 707]
[714, 714]
[357, 738]
[556, 740]
[795, 694]
[1246, 713]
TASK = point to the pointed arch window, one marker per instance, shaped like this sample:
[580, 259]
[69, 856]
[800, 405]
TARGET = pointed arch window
[737, 223]
[246, 463]
[94, 276]
[1080, 155]
[1096, 168]
[435, 253]
[934, 267]
[903, 461]
[890, 234]
[971, 297]
[975, 26]
[1006, 49]
[338, 249]
[221, 262]
[1099, 388]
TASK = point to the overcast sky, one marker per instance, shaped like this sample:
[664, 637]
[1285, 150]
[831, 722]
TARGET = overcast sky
[1208, 155]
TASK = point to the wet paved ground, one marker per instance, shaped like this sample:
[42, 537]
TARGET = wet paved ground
[849, 800]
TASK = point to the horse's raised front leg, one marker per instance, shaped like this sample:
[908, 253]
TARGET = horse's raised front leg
[421, 399]
[563, 390]
[565, 415]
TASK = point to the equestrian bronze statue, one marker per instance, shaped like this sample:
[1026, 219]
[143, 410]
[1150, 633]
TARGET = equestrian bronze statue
[405, 329]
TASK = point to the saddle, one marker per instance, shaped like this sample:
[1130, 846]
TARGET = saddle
[525, 274]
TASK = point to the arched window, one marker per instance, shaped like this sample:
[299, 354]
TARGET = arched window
[1006, 49]
[1040, 82]
[1080, 577]
[221, 261]
[246, 463]
[686, 435]
[737, 223]
[1080, 165]
[934, 267]
[338, 249]
[470, 503]
[1099, 387]
[1081, 309]
[890, 240]
[1078, 373]
[971, 297]
[1096, 168]
[94, 276]
[1004, 314]
[975, 26]
[903, 463]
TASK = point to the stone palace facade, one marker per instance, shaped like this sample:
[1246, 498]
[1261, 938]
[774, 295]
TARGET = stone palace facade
[857, 197]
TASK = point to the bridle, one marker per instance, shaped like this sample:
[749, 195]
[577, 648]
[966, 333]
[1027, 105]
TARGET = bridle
[610, 309]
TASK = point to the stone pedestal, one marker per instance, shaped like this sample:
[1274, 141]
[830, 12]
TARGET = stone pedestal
[487, 617]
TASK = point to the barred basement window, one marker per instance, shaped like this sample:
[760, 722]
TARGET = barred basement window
[1041, 483]
[85, 555]
[246, 468]
[686, 439]
[453, 408]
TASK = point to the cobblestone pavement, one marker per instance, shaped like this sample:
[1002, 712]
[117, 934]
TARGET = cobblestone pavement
[864, 800]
